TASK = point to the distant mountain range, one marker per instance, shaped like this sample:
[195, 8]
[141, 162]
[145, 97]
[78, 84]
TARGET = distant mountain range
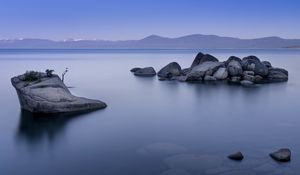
[155, 42]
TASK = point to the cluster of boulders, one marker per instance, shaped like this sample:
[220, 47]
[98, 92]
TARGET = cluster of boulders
[281, 155]
[247, 71]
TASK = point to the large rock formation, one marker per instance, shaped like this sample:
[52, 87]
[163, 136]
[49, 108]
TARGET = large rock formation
[41, 93]
[247, 71]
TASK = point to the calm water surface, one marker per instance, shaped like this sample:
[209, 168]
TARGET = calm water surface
[150, 127]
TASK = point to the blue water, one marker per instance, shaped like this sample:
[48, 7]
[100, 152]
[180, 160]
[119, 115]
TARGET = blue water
[150, 127]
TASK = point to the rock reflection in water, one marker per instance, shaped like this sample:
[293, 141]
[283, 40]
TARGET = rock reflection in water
[36, 128]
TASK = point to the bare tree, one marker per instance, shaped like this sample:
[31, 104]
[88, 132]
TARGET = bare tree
[63, 74]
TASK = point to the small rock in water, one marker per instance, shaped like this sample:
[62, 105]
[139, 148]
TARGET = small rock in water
[282, 155]
[235, 79]
[135, 69]
[162, 79]
[246, 83]
[147, 71]
[258, 79]
[249, 77]
[236, 156]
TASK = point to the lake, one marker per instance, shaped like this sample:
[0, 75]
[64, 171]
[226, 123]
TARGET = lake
[150, 127]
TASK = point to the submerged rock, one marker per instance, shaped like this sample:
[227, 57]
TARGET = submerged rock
[236, 156]
[247, 83]
[48, 94]
[282, 155]
[147, 71]
[170, 70]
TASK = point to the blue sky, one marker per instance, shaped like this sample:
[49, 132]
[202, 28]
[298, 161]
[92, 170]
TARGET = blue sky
[135, 19]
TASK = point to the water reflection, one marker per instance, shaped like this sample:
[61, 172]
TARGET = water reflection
[36, 128]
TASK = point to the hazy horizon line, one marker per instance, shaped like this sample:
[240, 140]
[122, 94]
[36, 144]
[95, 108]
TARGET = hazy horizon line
[147, 36]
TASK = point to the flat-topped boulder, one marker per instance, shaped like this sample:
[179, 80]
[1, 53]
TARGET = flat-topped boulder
[145, 72]
[42, 93]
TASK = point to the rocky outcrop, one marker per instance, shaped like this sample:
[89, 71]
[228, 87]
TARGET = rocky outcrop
[145, 72]
[39, 93]
[170, 70]
[282, 155]
[247, 71]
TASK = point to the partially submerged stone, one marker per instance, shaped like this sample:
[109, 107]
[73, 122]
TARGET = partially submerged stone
[282, 155]
[146, 72]
[135, 69]
[277, 75]
[48, 95]
[236, 156]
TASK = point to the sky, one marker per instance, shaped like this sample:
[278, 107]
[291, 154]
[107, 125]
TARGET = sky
[136, 19]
